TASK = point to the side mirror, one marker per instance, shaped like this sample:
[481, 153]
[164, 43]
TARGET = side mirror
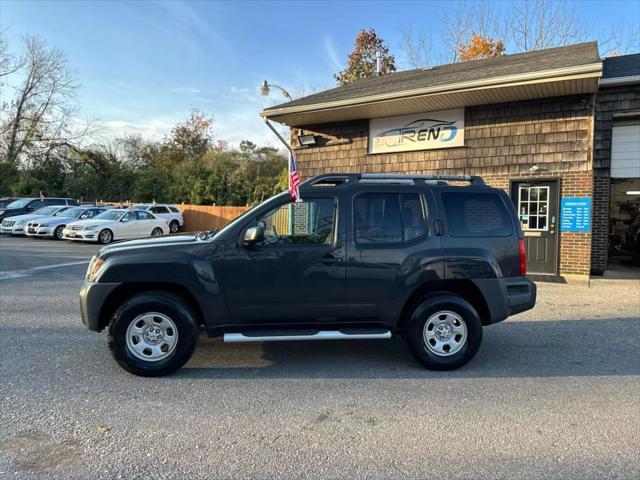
[124, 219]
[252, 236]
[31, 208]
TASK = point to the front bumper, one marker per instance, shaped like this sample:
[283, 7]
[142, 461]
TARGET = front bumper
[81, 235]
[13, 230]
[39, 231]
[507, 296]
[92, 299]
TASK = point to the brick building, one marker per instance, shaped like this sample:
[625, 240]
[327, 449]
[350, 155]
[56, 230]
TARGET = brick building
[558, 129]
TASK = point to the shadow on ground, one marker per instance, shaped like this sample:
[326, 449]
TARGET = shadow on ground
[512, 349]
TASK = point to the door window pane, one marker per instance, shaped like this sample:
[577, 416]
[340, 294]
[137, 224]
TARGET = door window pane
[533, 206]
[376, 218]
[305, 223]
[413, 224]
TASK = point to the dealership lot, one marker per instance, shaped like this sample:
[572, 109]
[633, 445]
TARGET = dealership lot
[554, 392]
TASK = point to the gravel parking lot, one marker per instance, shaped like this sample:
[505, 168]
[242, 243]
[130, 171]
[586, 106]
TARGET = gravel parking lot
[554, 393]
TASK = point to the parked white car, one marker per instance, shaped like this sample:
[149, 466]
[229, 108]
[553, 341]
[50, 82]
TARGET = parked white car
[53, 226]
[116, 224]
[170, 213]
[16, 225]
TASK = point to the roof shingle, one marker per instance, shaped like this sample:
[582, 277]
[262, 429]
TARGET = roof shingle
[520, 63]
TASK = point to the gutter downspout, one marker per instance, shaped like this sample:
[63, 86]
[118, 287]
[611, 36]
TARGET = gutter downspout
[277, 134]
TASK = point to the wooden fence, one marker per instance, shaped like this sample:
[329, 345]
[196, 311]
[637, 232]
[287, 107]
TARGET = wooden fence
[208, 217]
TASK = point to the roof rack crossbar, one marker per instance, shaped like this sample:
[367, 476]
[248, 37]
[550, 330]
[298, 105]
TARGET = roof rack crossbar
[472, 179]
[417, 178]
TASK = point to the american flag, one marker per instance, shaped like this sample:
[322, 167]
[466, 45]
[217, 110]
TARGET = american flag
[41, 197]
[294, 179]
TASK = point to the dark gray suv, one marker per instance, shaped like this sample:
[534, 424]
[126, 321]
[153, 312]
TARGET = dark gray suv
[363, 256]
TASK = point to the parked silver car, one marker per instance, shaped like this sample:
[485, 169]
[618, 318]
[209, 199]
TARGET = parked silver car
[53, 226]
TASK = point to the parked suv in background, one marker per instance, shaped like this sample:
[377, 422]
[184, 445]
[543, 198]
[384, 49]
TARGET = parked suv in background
[170, 213]
[28, 205]
[53, 226]
[363, 256]
[16, 225]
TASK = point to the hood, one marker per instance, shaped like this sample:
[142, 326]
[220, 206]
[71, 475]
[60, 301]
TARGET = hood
[25, 216]
[165, 241]
[93, 221]
[51, 219]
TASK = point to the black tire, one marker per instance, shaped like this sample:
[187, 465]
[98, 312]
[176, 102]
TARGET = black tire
[167, 304]
[459, 309]
[174, 226]
[103, 238]
[57, 233]
[157, 232]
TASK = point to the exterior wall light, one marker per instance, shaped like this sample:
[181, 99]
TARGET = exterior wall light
[307, 139]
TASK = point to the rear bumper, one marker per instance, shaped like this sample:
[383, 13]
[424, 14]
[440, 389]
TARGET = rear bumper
[507, 296]
[92, 299]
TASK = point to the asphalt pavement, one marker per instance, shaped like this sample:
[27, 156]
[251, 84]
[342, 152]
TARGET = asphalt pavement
[553, 393]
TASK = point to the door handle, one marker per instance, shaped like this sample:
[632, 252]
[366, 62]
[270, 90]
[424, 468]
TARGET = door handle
[331, 258]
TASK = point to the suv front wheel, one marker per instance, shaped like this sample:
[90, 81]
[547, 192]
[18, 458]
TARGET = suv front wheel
[444, 332]
[153, 334]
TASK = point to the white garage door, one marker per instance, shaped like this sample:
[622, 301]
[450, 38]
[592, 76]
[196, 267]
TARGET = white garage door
[625, 151]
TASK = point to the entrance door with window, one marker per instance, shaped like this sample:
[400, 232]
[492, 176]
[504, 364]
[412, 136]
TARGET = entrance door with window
[297, 273]
[537, 204]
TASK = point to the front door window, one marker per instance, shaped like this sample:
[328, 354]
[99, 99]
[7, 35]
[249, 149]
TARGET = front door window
[533, 208]
[305, 223]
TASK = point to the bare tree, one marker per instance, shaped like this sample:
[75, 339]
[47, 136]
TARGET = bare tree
[620, 41]
[466, 19]
[39, 119]
[539, 24]
[417, 49]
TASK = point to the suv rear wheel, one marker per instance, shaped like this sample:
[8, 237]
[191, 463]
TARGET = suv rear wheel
[444, 332]
[153, 334]
[174, 226]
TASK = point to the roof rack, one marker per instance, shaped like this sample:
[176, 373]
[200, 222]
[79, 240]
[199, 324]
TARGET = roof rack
[334, 179]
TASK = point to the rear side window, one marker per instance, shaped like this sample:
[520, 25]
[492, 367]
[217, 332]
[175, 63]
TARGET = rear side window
[387, 218]
[174, 209]
[474, 214]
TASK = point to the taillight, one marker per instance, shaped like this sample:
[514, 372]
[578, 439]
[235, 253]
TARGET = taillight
[523, 258]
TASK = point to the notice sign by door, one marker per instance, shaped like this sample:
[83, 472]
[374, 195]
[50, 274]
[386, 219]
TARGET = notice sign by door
[575, 214]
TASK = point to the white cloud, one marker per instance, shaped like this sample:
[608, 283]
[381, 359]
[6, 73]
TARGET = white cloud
[189, 90]
[332, 53]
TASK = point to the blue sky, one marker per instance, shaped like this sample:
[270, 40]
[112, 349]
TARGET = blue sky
[144, 65]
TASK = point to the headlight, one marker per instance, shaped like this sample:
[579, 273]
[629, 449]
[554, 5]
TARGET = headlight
[94, 268]
[45, 224]
[19, 223]
[91, 227]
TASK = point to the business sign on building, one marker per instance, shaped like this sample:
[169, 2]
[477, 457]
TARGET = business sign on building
[419, 131]
[575, 214]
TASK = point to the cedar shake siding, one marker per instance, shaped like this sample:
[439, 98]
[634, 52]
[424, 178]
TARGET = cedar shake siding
[502, 142]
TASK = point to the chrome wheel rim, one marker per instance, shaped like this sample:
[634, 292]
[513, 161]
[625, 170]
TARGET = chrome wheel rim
[173, 227]
[156, 232]
[105, 236]
[152, 337]
[58, 233]
[445, 333]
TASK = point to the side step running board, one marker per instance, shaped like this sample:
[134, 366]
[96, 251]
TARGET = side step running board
[320, 335]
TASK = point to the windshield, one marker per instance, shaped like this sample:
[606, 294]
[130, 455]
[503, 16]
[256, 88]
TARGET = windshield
[70, 213]
[46, 210]
[19, 203]
[4, 203]
[242, 217]
[109, 215]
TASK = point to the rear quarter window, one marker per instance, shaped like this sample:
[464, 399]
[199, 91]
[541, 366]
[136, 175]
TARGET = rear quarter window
[475, 214]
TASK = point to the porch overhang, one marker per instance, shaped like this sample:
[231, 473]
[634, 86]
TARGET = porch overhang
[541, 84]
